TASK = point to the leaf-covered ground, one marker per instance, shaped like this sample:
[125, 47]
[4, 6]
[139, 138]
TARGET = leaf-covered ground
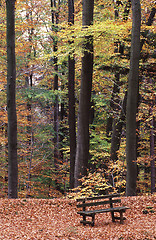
[58, 219]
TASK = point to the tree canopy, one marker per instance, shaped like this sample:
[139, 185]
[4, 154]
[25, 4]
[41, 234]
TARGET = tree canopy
[46, 40]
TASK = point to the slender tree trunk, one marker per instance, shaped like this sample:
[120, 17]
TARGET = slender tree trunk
[56, 105]
[151, 17]
[11, 101]
[115, 125]
[71, 95]
[127, 10]
[132, 100]
[72, 118]
[82, 150]
[115, 107]
[117, 130]
[29, 133]
[113, 104]
[152, 144]
[153, 123]
[29, 84]
[152, 155]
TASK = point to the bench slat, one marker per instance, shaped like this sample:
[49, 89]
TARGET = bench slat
[89, 213]
[98, 197]
[98, 203]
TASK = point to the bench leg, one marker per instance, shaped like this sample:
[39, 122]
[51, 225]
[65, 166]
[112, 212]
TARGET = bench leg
[121, 217]
[93, 220]
[113, 218]
[84, 219]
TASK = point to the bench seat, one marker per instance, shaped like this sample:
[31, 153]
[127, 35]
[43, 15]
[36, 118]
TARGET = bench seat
[116, 209]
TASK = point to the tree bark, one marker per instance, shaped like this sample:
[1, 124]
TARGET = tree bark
[29, 84]
[29, 133]
[132, 100]
[117, 130]
[11, 101]
[82, 150]
[152, 155]
[115, 125]
[151, 17]
[71, 96]
[113, 104]
[152, 144]
[127, 10]
[55, 20]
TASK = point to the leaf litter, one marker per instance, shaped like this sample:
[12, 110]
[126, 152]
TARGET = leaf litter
[53, 219]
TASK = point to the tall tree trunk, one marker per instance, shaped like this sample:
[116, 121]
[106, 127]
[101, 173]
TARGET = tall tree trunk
[29, 84]
[11, 101]
[115, 107]
[152, 155]
[132, 100]
[152, 144]
[151, 17]
[117, 130]
[153, 123]
[82, 150]
[113, 104]
[29, 133]
[71, 96]
[56, 105]
[115, 125]
[127, 10]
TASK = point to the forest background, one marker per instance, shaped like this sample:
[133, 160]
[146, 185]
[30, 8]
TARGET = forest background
[44, 41]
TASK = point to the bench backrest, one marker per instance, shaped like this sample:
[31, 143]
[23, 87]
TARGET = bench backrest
[86, 202]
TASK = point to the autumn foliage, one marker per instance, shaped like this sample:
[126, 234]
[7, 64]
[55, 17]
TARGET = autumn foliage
[35, 96]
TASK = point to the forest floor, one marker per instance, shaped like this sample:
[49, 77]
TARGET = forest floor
[37, 219]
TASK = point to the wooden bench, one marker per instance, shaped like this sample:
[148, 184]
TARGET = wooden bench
[94, 201]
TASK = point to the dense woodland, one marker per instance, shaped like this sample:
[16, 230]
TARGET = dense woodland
[77, 97]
